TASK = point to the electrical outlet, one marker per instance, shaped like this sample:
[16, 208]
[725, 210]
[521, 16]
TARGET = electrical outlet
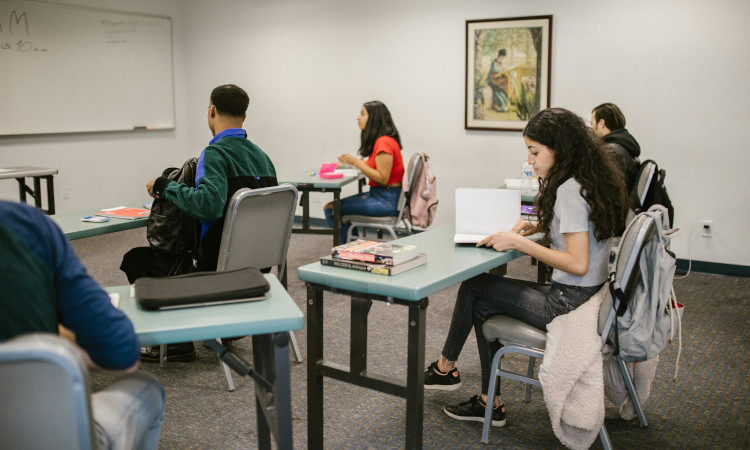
[707, 227]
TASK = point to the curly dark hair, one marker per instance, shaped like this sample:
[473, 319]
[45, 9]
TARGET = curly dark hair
[581, 155]
[379, 123]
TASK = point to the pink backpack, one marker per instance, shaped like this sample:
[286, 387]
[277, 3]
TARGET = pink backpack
[422, 195]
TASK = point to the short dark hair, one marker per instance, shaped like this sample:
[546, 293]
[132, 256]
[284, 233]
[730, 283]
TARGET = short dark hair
[379, 123]
[230, 100]
[611, 114]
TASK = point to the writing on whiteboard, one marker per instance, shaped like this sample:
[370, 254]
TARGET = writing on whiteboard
[117, 31]
[16, 22]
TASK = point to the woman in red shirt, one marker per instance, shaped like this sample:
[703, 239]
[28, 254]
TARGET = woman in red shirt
[384, 167]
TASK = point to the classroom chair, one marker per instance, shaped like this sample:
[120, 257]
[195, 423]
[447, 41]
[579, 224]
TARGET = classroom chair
[387, 224]
[46, 394]
[520, 338]
[256, 233]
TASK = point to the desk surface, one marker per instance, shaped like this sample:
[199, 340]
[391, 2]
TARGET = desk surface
[277, 313]
[25, 171]
[447, 264]
[73, 228]
[307, 178]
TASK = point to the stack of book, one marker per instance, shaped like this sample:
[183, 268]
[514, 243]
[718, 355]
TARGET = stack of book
[380, 258]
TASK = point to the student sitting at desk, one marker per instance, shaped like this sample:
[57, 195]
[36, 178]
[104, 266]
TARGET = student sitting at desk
[46, 289]
[384, 166]
[581, 205]
[229, 162]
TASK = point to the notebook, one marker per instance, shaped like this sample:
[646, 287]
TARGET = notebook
[482, 212]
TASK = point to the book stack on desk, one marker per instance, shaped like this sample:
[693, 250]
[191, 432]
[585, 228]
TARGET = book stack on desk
[380, 258]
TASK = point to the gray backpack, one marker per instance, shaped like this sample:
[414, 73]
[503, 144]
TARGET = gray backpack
[647, 321]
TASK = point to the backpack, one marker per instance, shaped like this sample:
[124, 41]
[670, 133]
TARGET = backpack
[645, 326]
[170, 232]
[656, 193]
[421, 200]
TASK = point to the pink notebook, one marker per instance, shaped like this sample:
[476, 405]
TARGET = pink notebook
[326, 171]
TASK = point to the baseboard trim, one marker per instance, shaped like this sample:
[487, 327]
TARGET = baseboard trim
[732, 270]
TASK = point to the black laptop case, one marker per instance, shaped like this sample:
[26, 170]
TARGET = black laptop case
[201, 288]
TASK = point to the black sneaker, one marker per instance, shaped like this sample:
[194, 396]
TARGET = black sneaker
[474, 410]
[435, 380]
[182, 352]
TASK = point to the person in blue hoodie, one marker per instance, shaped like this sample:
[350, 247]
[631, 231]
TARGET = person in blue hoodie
[608, 123]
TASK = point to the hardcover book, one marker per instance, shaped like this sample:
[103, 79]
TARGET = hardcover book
[380, 269]
[374, 252]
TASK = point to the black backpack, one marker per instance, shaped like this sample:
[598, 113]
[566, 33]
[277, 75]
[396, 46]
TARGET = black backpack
[656, 193]
[170, 232]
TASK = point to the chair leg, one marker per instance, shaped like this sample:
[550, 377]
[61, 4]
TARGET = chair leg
[227, 372]
[604, 437]
[491, 396]
[163, 355]
[530, 374]
[631, 392]
[295, 347]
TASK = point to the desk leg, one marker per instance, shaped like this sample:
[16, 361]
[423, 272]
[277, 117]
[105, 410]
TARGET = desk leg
[314, 376]
[305, 210]
[336, 218]
[415, 374]
[50, 194]
[22, 189]
[358, 356]
[273, 410]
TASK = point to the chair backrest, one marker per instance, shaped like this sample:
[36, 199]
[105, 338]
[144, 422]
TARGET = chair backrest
[257, 228]
[412, 169]
[642, 183]
[625, 267]
[45, 401]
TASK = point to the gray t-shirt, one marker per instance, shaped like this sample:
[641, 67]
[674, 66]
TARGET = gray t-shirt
[572, 216]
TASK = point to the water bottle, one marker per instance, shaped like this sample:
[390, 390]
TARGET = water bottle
[527, 175]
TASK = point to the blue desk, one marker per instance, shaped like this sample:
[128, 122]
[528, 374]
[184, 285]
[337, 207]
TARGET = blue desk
[73, 228]
[268, 321]
[447, 265]
[311, 181]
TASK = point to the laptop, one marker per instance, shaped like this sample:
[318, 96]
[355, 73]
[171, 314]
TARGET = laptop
[482, 212]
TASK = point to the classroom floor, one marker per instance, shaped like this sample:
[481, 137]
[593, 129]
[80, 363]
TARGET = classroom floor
[706, 407]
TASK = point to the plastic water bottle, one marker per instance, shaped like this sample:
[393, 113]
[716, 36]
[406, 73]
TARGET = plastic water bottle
[527, 176]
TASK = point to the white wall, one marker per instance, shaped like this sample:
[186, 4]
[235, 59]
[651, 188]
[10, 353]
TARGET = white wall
[676, 68]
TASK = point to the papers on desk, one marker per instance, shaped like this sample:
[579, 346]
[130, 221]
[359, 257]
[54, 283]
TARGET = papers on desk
[122, 212]
[482, 212]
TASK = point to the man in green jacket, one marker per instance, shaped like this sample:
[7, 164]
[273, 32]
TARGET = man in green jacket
[229, 162]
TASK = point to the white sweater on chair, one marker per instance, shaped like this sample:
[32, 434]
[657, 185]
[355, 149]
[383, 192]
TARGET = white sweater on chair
[572, 376]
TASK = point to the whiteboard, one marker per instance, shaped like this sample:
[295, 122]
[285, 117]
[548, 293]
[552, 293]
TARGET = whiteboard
[68, 69]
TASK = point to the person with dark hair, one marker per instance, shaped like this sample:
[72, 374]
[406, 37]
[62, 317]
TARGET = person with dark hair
[608, 123]
[497, 79]
[581, 205]
[229, 162]
[384, 166]
[46, 289]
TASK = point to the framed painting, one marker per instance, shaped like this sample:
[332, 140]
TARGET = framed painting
[507, 71]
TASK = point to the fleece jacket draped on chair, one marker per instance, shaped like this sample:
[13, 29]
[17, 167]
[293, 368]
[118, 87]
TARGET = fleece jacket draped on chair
[572, 376]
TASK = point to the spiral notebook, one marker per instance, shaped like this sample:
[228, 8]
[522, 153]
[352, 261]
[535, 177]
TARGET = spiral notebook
[482, 212]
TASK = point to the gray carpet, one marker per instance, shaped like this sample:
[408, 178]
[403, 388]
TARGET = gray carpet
[706, 407]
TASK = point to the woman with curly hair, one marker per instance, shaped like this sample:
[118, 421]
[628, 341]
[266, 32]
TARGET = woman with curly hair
[384, 166]
[581, 205]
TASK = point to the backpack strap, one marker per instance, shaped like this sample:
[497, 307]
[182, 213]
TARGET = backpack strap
[622, 306]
